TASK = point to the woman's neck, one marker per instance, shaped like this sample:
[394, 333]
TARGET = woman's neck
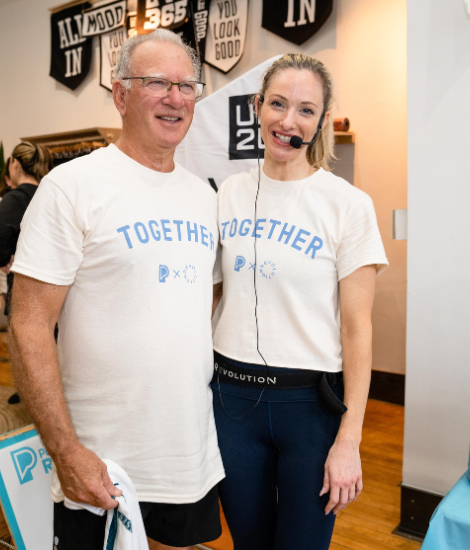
[296, 169]
[27, 179]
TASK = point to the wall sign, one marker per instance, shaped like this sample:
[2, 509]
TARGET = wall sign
[105, 18]
[200, 15]
[110, 45]
[295, 20]
[188, 18]
[70, 50]
[226, 34]
[167, 14]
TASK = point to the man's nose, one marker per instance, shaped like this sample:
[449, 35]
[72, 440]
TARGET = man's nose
[174, 97]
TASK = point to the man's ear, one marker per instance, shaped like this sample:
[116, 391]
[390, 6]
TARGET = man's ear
[119, 96]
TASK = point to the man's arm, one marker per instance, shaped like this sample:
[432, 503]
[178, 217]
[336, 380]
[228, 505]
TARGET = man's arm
[35, 309]
[217, 296]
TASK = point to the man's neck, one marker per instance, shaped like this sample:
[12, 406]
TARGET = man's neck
[155, 159]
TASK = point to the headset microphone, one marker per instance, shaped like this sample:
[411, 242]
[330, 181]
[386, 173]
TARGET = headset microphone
[296, 141]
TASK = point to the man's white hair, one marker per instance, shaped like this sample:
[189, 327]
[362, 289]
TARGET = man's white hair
[158, 35]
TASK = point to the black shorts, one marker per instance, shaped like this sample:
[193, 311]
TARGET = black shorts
[171, 524]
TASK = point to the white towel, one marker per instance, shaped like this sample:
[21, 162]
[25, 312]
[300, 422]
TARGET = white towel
[124, 525]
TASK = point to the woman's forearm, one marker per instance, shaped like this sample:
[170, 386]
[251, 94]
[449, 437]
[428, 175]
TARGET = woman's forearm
[357, 364]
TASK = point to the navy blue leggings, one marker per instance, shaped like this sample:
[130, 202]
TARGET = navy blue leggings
[274, 462]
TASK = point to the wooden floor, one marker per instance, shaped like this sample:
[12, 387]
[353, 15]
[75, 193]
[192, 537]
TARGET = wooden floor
[366, 524]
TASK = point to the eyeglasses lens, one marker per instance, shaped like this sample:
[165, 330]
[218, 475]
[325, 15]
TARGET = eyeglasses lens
[160, 87]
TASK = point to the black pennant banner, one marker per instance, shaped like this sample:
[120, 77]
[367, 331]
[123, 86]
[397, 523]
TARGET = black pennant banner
[295, 20]
[70, 51]
[170, 15]
[188, 18]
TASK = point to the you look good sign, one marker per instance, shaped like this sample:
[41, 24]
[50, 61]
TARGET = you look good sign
[226, 33]
[110, 46]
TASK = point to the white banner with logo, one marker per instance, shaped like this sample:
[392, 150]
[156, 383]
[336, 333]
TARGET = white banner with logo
[224, 138]
[25, 490]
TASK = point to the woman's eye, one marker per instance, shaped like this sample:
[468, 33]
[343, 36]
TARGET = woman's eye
[276, 104]
[307, 111]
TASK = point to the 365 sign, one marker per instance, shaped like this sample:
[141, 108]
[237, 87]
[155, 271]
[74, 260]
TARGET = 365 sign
[70, 50]
[168, 14]
[295, 20]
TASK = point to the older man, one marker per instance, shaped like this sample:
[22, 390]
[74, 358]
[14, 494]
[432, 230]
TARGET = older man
[119, 247]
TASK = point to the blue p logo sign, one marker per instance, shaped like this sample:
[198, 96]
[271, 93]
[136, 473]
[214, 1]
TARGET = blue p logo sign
[163, 273]
[25, 460]
[239, 263]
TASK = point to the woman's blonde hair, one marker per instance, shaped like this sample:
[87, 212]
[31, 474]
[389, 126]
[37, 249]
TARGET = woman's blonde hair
[321, 153]
[35, 159]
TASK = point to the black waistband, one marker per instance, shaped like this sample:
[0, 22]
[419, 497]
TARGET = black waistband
[270, 378]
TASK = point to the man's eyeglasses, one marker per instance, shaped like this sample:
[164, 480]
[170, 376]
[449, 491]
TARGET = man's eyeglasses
[160, 87]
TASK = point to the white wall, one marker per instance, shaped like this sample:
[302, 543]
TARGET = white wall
[364, 45]
[31, 102]
[437, 411]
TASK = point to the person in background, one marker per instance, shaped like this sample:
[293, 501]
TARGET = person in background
[295, 317]
[129, 379]
[5, 186]
[28, 164]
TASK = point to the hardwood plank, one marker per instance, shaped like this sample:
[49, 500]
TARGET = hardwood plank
[6, 377]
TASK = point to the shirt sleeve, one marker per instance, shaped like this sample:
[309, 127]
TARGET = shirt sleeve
[50, 247]
[361, 243]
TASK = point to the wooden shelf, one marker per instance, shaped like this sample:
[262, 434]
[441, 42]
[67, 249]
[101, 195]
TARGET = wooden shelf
[109, 135]
[342, 138]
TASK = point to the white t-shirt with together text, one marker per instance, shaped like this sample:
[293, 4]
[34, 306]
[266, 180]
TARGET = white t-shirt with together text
[310, 234]
[137, 248]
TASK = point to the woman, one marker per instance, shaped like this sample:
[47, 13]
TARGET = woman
[292, 461]
[29, 163]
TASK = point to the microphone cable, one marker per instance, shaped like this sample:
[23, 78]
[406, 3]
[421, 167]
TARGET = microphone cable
[256, 309]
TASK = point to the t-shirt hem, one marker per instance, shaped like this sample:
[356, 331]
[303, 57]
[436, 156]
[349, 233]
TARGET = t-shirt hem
[381, 263]
[292, 365]
[167, 499]
[46, 278]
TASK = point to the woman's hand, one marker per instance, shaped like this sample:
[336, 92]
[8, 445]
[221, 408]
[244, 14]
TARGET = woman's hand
[343, 475]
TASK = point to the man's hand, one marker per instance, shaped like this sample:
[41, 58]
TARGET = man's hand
[6, 268]
[84, 478]
[343, 475]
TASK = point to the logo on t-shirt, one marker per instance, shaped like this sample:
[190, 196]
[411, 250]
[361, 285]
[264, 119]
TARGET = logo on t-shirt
[268, 269]
[188, 273]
